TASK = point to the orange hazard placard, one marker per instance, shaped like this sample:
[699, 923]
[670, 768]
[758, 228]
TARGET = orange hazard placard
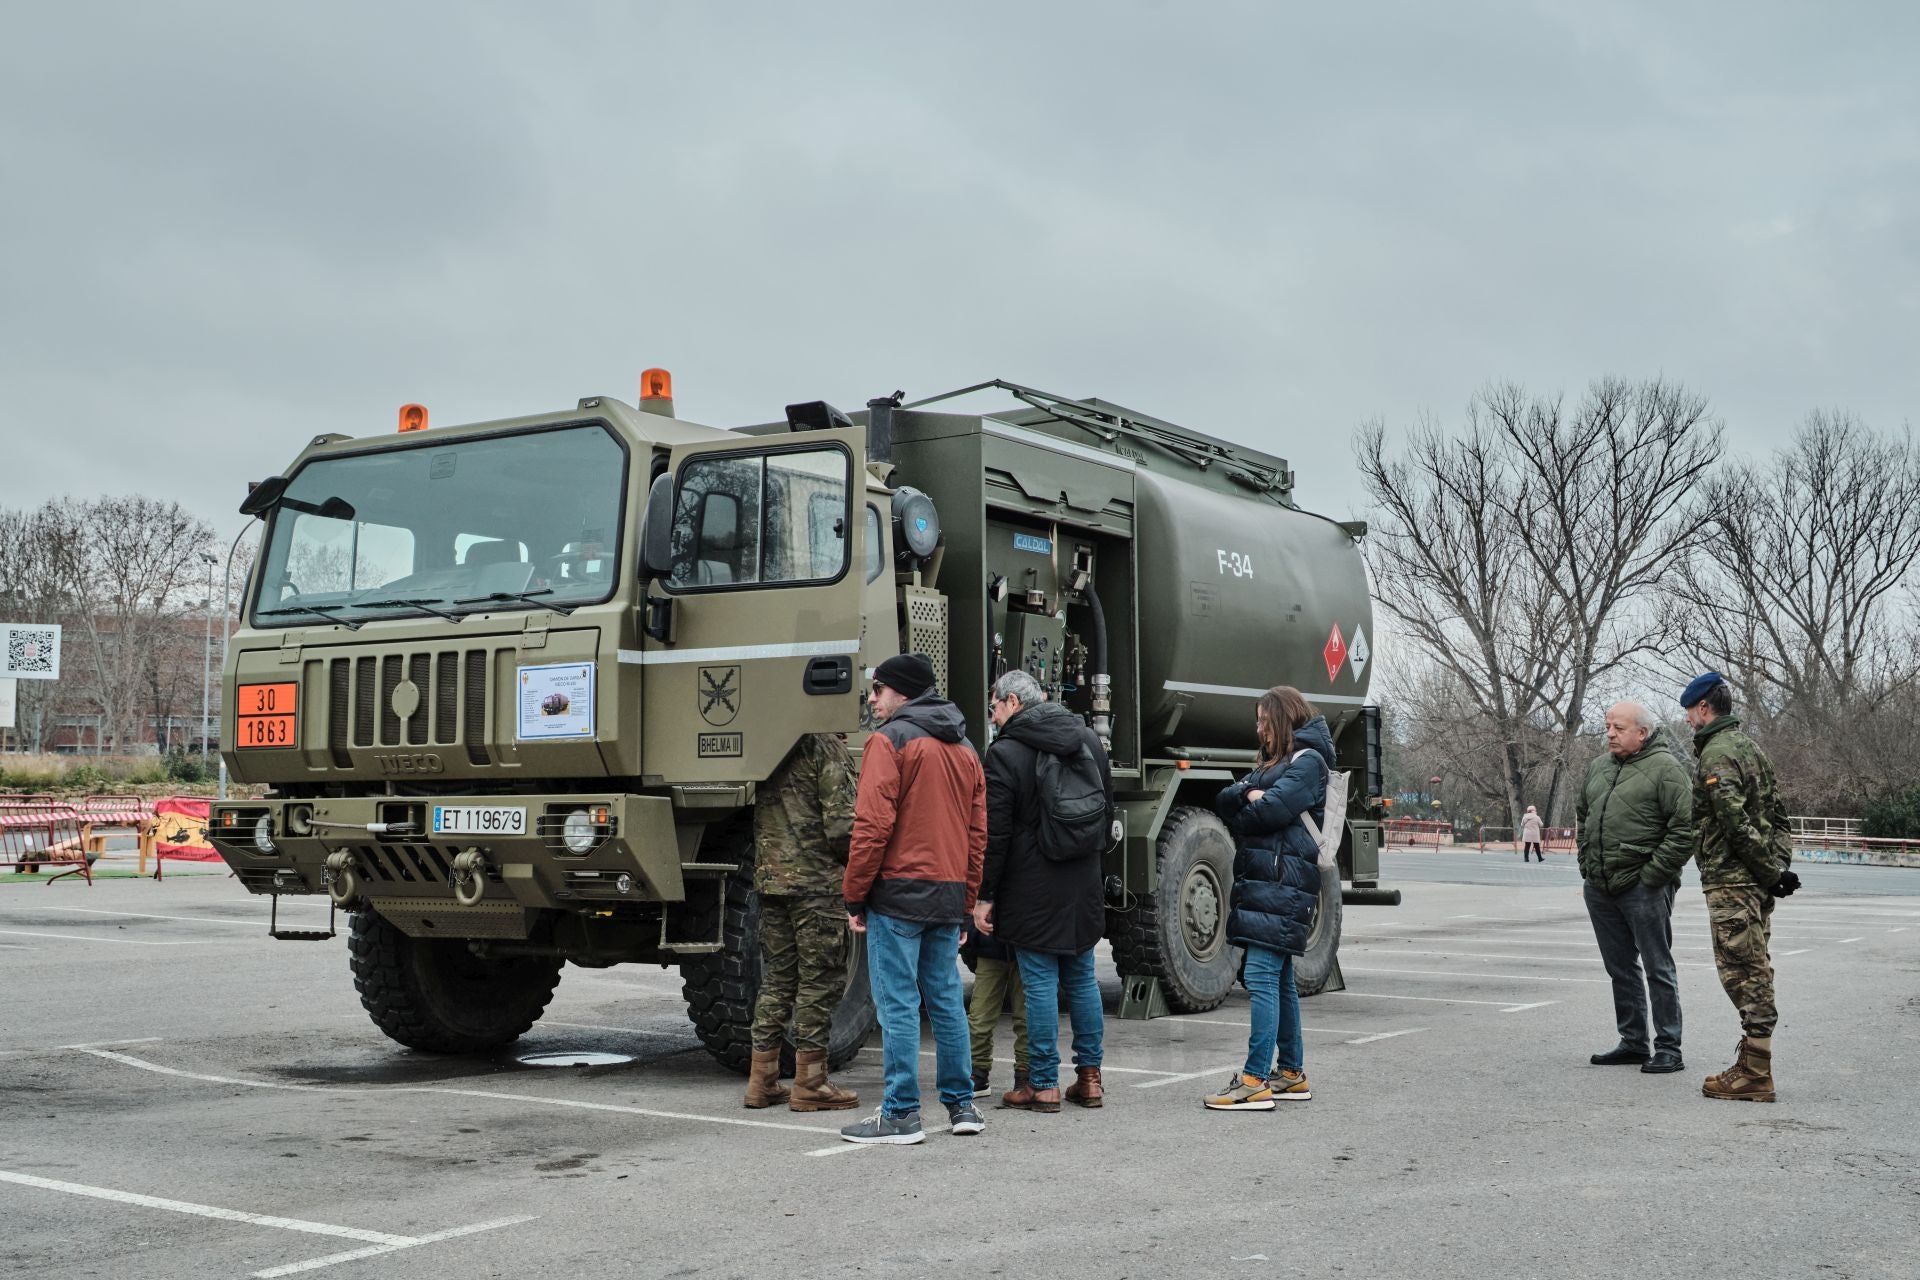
[267, 715]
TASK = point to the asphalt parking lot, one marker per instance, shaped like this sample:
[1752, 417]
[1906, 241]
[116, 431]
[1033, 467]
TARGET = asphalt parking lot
[182, 1096]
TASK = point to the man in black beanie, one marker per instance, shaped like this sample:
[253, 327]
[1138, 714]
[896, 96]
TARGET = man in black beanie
[919, 839]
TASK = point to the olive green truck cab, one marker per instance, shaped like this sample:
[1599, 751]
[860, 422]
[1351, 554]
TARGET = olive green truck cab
[510, 686]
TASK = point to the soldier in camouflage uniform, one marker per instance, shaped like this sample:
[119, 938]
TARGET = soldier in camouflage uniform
[802, 822]
[1743, 850]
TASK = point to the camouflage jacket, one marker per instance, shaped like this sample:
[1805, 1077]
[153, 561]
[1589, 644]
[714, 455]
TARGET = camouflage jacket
[803, 818]
[1740, 825]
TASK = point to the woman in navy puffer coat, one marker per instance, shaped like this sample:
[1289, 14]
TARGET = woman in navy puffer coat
[1276, 889]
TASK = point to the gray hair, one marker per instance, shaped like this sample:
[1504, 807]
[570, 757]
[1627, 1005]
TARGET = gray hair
[1018, 684]
[1637, 714]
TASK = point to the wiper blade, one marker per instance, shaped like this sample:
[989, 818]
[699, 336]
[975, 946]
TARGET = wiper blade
[328, 614]
[424, 605]
[531, 597]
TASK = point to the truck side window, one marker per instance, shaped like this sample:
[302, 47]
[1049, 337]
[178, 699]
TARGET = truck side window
[875, 563]
[761, 519]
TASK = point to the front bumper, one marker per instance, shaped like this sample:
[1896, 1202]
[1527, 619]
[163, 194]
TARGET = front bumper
[387, 843]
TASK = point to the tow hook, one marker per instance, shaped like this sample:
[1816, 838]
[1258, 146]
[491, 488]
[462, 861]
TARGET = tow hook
[469, 877]
[341, 880]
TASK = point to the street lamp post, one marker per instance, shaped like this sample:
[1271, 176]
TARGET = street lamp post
[206, 660]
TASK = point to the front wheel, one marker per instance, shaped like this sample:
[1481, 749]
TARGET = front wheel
[435, 995]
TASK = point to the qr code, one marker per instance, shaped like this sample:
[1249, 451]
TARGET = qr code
[30, 650]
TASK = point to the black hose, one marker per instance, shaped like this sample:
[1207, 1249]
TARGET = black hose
[1097, 660]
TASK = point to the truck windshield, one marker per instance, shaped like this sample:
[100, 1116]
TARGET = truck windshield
[530, 520]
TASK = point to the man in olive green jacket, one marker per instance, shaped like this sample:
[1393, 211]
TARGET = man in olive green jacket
[1745, 853]
[1635, 816]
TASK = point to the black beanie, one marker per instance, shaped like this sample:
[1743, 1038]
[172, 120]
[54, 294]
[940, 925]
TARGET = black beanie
[910, 673]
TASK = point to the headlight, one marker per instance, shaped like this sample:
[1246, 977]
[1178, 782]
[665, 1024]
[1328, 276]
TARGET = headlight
[263, 833]
[577, 832]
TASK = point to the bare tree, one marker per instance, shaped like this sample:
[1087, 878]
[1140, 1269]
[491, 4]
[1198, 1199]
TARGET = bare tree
[128, 564]
[1609, 507]
[1796, 594]
[1527, 555]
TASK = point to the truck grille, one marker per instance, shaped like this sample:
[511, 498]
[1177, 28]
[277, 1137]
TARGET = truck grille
[452, 707]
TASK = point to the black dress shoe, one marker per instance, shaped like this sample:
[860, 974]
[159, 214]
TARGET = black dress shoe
[1619, 1056]
[1663, 1063]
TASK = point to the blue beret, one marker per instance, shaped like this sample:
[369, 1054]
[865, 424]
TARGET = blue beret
[1699, 687]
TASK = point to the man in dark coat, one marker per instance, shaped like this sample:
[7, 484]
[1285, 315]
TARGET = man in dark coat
[1050, 912]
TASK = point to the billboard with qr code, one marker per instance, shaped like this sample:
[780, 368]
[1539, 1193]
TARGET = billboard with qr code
[29, 651]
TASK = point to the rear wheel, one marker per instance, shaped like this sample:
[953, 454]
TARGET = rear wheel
[435, 995]
[721, 987]
[1179, 935]
[1314, 967]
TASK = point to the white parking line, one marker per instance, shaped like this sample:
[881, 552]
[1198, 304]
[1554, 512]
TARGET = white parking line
[1241, 1026]
[125, 942]
[377, 1241]
[1124, 1071]
[518, 1098]
[1386, 1035]
[205, 1210]
[354, 1255]
[1481, 955]
[1502, 1005]
[1844, 941]
[1448, 973]
[148, 915]
[1191, 1075]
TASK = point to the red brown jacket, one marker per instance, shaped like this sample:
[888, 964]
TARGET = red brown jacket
[919, 818]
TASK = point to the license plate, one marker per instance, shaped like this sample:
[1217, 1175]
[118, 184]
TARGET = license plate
[478, 820]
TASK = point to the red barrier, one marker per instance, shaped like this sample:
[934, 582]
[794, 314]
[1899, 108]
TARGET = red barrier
[37, 835]
[1415, 831]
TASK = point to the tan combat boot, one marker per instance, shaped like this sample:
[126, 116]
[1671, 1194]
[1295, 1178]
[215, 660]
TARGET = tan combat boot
[763, 1080]
[812, 1091]
[1085, 1090]
[1750, 1078]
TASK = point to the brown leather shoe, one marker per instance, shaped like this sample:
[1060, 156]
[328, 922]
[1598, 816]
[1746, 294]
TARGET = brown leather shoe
[1085, 1090]
[763, 1080]
[812, 1091]
[1027, 1098]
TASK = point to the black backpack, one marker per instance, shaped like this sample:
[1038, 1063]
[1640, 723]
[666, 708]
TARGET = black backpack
[1073, 805]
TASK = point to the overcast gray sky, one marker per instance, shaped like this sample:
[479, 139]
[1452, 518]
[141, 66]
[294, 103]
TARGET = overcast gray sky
[227, 227]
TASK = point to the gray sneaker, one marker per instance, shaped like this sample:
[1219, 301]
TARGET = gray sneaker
[881, 1127]
[965, 1120]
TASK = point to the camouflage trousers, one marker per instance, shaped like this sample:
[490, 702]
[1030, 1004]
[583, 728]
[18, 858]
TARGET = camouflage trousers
[803, 975]
[1741, 917]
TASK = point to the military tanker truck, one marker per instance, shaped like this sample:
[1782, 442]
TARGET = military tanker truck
[510, 686]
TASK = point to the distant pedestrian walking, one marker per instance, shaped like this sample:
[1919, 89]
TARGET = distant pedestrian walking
[1745, 855]
[1276, 890]
[1636, 832]
[1530, 835]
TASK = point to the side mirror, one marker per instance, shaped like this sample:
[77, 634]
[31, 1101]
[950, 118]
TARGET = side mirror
[656, 533]
[262, 494]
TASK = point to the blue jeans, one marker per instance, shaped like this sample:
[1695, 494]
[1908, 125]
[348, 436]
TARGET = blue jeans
[1043, 975]
[910, 964]
[1276, 1013]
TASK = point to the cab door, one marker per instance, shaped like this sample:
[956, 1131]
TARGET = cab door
[766, 585]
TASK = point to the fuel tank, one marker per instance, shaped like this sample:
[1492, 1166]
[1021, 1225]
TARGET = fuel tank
[1238, 594]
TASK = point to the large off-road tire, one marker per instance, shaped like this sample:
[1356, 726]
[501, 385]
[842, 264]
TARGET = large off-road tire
[1179, 933]
[721, 987]
[434, 995]
[1312, 968]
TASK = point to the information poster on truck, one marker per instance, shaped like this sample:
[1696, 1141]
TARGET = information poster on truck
[556, 702]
